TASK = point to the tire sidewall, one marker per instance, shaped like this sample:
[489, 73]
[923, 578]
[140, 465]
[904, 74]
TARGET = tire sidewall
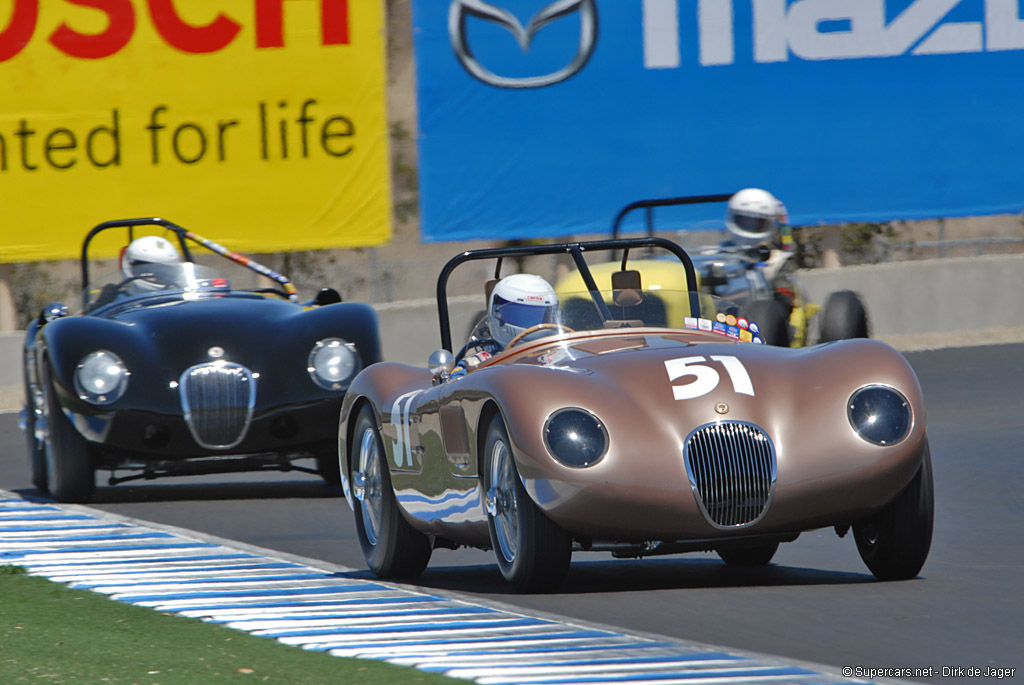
[769, 315]
[371, 551]
[70, 473]
[843, 317]
[496, 432]
[400, 551]
[894, 543]
[36, 450]
[543, 550]
[328, 465]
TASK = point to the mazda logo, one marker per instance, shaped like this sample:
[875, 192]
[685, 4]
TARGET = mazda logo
[460, 9]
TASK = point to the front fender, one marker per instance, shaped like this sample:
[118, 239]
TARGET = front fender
[64, 342]
[354, 321]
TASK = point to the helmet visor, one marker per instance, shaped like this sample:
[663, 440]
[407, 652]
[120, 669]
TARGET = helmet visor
[756, 225]
[521, 314]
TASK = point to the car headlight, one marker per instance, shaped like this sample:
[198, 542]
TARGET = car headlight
[332, 363]
[101, 377]
[879, 414]
[575, 437]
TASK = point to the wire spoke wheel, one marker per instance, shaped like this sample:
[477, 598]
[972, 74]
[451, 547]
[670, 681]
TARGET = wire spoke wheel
[532, 552]
[391, 546]
[371, 505]
[503, 495]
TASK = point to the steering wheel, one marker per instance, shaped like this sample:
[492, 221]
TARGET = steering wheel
[123, 286]
[539, 327]
[479, 342]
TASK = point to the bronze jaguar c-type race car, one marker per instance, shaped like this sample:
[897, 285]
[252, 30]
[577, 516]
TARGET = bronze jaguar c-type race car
[601, 429]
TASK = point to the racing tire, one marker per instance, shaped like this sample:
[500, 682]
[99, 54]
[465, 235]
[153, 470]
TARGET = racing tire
[895, 541]
[749, 556]
[70, 474]
[843, 317]
[329, 466]
[392, 548]
[771, 318]
[36, 450]
[533, 553]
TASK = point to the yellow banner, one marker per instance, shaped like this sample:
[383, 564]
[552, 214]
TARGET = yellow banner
[260, 123]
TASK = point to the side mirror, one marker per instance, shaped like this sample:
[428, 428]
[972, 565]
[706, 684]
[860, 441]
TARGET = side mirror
[626, 288]
[440, 364]
[52, 312]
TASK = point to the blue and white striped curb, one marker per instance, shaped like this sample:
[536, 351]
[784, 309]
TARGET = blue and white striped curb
[315, 608]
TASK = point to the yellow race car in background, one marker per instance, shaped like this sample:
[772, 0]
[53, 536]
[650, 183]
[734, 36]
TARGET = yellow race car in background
[760, 279]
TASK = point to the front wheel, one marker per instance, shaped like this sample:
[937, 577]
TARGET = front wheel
[69, 471]
[328, 465]
[895, 541]
[532, 552]
[36, 447]
[392, 548]
[749, 556]
[843, 317]
[771, 318]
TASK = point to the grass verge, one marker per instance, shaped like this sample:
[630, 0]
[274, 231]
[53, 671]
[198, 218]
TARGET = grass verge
[50, 633]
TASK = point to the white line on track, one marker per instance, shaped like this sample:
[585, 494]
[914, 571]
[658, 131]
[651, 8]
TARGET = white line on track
[315, 605]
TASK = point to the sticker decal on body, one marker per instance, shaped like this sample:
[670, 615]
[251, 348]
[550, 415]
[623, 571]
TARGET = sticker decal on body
[401, 417]
[705, 377]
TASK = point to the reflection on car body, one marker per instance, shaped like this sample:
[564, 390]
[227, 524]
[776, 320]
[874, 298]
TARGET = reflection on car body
[168, 370]
[611, 429]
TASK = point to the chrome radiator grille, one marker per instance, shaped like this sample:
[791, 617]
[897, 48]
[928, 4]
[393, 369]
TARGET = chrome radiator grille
[218, 400]
[732, 471]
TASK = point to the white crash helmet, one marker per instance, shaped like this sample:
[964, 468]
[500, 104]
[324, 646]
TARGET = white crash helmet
[518, 302]
[752, 217]
[150, 249]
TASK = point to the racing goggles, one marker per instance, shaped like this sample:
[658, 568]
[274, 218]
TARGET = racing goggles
[521, 314]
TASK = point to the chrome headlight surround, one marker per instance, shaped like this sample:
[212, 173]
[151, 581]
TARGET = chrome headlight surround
[880, 415]
[575, 437]
[101, 377]
[333, 363]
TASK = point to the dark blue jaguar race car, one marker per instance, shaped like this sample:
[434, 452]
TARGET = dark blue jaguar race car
[170, 370]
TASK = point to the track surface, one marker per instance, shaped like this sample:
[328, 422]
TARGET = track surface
[816, 602]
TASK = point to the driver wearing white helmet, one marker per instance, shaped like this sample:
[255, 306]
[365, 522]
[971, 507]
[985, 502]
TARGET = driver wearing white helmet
[755, 218]
[518, 303]
[752, 217]
[141, 252]
[136, 266]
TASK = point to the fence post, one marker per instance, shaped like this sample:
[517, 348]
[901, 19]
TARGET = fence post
[8, 316]
[831, 246]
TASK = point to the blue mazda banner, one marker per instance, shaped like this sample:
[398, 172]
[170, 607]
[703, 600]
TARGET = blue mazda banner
[543, 119]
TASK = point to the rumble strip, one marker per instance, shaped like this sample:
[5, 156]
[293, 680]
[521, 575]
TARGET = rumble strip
[299, 603]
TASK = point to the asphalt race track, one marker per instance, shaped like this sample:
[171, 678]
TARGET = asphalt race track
[816, 602]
